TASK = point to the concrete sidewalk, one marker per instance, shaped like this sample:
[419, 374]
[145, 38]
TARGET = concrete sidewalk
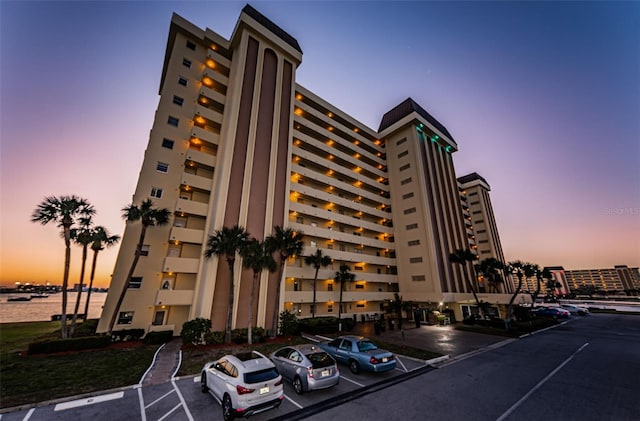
[166, 363]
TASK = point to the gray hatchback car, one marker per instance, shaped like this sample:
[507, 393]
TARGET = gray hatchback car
[307, 367]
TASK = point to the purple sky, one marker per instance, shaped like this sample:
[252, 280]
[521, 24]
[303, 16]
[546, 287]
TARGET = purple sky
[543, 99]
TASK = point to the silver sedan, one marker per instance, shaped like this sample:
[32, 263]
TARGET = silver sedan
[307, 367]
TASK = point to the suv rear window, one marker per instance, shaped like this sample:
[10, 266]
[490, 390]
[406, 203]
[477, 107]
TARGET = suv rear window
[261, 376]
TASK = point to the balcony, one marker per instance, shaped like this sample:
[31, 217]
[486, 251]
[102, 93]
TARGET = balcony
[180, 265]
[205, 135]
[196, 181]
[209, 114]
[171, 297]
[200, 157]
[186, 235]
[191, 207]
[334, 296]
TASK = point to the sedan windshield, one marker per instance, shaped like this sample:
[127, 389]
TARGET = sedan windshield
[366, 346]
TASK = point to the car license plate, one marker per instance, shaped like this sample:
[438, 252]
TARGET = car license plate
[264, 390]
[324, 373]
[385, 359]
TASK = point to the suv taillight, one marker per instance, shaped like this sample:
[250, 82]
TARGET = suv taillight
[243, 390]
[279, 382]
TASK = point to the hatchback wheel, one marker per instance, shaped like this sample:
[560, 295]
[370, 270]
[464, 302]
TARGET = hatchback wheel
[297, 385]
[203, 383]
[227, 408]
[354, 366]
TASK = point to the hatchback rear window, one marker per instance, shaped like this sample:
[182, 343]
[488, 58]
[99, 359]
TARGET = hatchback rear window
[320, 359]
[260, 376]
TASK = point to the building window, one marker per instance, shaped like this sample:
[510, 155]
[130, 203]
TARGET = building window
[162, 167]
[329, 308]
[407, 196]
[359, 286]
[299, 220]
[125, 317]
[135, 282]
[144, 250]
[418, 278]
[410, 210]
[186, 63]
[359, 268]
[182, 81]
[415, 260]
[401, 154]
[156, 192]
[313, 244]
[414, 243]
[173, 121]
[296, 286]
[401, 141]
[158, 318]
[411, 226]
[330, 286]
[405, 181]
[177, 100]
[405, 167]
[191, 45]
[359, 305]
[167, 143]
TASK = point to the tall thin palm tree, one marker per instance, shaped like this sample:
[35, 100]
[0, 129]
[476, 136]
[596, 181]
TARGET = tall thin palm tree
[64, 211]
[100, 239]
[491, 269]
[464, 257]
[286, 242]
[317, 260]
[343, 276]
[517, 268]
[227, 242]
[256, 256]
[149, 217]
[82, 235]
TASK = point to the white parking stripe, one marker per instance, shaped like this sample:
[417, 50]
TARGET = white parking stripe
[169, 413]
[160, 398]
[352, 381]
[403, 366]
[184, 404]
[143, 414]
[88, 401]
[293, 402]
[26, 417]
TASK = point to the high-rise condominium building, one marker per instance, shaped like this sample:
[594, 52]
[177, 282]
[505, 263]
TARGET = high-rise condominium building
[236, 141]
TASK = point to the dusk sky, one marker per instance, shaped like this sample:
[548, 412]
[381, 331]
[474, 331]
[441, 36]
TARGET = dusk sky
[543, 99]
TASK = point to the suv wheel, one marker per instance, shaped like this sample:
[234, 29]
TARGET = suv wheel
[203, 383]
[297, 385]
[227, 408]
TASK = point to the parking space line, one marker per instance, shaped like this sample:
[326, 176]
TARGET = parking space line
[352, 381]
[182, 401]
[293, 402]
[88, 401]
[143, 414]
[170, 412]
[403, 366]
[160, 398]
[26, 417]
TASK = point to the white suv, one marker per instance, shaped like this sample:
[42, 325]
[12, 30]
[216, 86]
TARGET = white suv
[244, 384]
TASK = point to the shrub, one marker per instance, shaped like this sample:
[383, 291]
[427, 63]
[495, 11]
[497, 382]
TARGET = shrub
[125, 335]
[239, 336]
[73, 344]
[288, 323]
[214, 338]
[194, 331]
[87, 328]
[157, 338]
[318, 325]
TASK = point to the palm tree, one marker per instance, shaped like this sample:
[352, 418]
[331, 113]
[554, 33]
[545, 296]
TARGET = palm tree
[227, 242]
[463, 257]
[256, 256]
[286, 242]
[540, 275]
[343, 276]
[521, 270]
[551, 284]
[63, 210]
[149, 217]
[490, 269]
[100, 239]
[317, 260]
[83, 237]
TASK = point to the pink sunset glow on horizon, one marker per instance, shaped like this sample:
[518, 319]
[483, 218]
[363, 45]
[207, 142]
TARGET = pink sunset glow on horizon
[548, 114]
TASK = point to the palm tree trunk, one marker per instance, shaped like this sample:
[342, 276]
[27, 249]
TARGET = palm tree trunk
[65, 283]
[74, 320]
[123, 292]
[340, 309]
[313, 313]
[251, 298]
[274, 322]
[227, 333]
[93, 272]
[507, 320]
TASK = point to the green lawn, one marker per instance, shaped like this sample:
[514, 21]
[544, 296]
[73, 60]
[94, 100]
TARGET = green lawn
[28, 379]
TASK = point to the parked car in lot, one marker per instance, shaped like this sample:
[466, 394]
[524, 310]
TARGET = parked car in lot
[244, 384]
[307, 367]
[360, 354]
[555, 312]
[574, 309]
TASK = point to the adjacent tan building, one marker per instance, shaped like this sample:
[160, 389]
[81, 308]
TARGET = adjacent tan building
[237, 141]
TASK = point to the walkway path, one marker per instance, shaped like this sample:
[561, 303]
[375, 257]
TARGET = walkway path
[166, 363]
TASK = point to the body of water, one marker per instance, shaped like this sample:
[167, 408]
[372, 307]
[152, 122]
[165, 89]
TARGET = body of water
[41, 309]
